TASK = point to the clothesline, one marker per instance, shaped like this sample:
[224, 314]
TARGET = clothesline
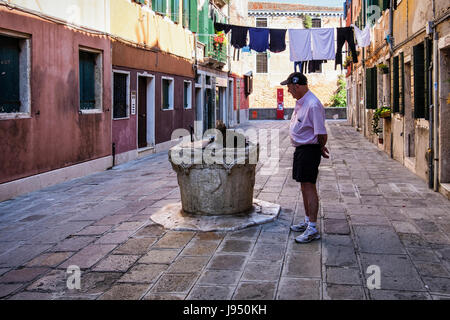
[312, 44]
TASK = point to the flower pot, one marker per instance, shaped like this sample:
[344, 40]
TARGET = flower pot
[385, 114]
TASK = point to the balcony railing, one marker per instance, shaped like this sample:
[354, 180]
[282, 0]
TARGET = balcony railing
[216, 51]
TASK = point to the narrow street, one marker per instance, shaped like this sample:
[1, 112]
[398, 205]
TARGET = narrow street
[374, 212]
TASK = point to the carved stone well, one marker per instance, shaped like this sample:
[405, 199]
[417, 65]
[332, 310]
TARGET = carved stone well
[216, 187]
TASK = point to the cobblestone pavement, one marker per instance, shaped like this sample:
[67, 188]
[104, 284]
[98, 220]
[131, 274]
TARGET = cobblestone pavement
[373, 212]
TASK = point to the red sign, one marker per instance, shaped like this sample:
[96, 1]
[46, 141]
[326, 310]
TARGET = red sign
[280, 104]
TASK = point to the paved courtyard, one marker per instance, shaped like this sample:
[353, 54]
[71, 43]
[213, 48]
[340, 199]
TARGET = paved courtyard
[373, 212]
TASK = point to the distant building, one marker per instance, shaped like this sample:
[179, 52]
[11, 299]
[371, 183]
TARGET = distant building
[269, 69]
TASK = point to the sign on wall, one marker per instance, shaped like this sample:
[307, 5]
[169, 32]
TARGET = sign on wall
[133, 102]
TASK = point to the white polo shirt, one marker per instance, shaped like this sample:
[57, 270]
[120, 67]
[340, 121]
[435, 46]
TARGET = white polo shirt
[308, 121]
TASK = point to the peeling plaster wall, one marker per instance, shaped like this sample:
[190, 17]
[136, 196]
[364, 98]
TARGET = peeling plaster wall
[59, 136]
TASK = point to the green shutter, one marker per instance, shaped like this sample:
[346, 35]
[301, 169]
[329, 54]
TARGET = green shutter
[165, 102]
[402, 93]
[396, 82]
[386, 4]
[87, 81]
[174, 10]
[368, 88]
[419, 81]
[185, 18]
[374, 88]
[428, 89]
[204, 23]
[193, 16]
[9, 75]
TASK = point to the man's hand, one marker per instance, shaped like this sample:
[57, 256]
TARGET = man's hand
[325, 152]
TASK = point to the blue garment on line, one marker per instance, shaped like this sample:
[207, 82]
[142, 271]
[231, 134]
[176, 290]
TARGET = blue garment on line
[259, 39]
[277, 40]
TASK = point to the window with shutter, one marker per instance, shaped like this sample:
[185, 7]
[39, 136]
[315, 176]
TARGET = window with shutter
[193, 16]
[428, 81]
[419, 81]
[165, 95]
[317, 23]
[185, 13]
[261, 62]
[261, 22]
[9, 75]
[402, 92]
[120, 95]
[396, 84]
[174, 10]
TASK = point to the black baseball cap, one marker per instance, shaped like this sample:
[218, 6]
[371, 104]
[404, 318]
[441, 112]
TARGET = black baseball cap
[296, 78]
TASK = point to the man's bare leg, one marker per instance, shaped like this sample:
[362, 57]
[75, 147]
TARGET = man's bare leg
[310, 200]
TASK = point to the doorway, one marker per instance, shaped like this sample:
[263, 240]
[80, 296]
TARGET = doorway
[146, 111]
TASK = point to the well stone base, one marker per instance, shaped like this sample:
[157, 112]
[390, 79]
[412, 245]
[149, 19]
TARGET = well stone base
[173, 218]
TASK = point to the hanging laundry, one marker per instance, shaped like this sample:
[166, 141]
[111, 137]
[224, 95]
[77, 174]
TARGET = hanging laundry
[239, 36]
[259, 39]
[315, 65]
[300, 44]
[343, 35]
[222, 27]
[362, 37]
[299, 65]
[277, 40]
[246, 49]
[323, 44]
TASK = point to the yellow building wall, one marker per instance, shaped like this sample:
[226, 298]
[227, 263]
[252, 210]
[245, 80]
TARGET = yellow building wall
[86, 13]
[141, 25]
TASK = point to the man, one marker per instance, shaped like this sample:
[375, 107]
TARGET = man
[309, 137]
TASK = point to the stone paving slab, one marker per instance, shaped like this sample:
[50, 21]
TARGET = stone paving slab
[373, 212]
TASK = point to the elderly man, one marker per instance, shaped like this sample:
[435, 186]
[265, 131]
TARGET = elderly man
[309, 137]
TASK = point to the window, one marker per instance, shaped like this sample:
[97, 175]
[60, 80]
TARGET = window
[317, 23]
[371, 88]
[261, 62]
[419, 81]
[14, 76]
[121, 96]
[90, 67]
[167, 93]
[187, 96]
[396, 85]
[174, 10]
[261, 22]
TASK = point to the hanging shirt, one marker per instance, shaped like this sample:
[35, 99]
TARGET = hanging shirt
[300, 44]
[277, 40]
[222, 27]
[323, 44]
[362, 37]
[308, 121]
[259, 39]
[239, 36]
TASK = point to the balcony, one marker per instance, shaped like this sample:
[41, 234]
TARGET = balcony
[215, 54]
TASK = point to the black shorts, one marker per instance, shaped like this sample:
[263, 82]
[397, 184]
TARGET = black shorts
[306, 163]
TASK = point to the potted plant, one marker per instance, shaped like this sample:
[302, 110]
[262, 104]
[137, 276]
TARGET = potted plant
[385, 112]
[383, 67]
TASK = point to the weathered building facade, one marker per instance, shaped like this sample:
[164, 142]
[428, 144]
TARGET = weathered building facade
[405, 69]
[86, 85]
[55, 93]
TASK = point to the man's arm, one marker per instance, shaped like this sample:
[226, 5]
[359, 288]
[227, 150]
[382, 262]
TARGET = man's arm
[323, 138]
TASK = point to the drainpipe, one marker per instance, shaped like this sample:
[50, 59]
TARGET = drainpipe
[391, 28]
[435, 104]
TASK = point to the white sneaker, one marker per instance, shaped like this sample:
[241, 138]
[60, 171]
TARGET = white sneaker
[309, 235]
[301, 227]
